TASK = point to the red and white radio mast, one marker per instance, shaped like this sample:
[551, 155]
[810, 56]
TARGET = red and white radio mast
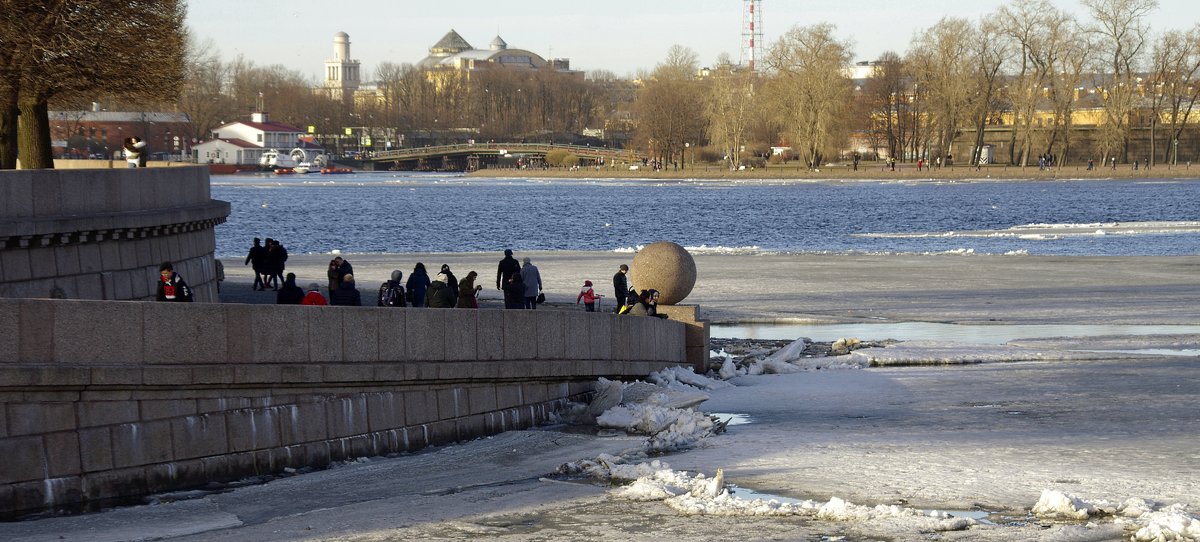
[751, 33]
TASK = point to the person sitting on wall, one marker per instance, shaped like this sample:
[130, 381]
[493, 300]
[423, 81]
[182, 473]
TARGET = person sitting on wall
[314, 297]
[171, 286]
[346, 293]
[289, 293]
[647, 304]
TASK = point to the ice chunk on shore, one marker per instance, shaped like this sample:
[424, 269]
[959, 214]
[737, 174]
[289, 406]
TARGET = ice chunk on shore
[1058, 505]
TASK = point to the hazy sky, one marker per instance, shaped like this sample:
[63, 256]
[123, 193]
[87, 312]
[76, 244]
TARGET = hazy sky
[622, 36]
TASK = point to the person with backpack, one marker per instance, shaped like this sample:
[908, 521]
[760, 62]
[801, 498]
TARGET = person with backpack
[391, 293]
[418, 283]
[631, 299]
[588, 295]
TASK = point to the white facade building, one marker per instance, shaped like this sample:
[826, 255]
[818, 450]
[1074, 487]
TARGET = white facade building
[244, 142]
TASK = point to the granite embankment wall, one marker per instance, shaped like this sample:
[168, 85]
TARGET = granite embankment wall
[102, 233]
[109, 400]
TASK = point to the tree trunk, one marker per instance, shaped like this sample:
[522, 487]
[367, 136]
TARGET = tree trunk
[8, 133]
[33, 134]
[977, 153]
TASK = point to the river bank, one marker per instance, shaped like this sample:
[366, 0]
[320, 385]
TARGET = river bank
[871, 171]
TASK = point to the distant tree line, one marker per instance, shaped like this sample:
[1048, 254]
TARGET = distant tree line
[1028, 70]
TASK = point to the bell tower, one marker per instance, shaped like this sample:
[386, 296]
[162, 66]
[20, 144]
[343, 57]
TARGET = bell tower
[341, 73]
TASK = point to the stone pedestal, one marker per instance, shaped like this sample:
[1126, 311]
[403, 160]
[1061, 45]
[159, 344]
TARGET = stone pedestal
[696, 339]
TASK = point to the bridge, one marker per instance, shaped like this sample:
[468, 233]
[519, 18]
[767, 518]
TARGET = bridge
[473, 156]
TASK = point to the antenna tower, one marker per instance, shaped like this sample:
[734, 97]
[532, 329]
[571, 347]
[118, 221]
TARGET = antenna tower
[751, 33]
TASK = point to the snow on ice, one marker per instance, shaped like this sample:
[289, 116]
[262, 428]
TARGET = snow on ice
[637, 477]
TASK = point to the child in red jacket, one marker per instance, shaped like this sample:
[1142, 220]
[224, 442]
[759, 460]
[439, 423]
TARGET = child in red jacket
[588, 296]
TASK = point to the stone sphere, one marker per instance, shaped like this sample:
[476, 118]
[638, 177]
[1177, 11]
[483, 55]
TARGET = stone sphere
[666, 267]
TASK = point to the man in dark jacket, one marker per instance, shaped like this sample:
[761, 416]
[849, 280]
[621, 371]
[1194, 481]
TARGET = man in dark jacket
[451, 280]
[514, 292]
[509, 266]
[258, 259]
[346, 294]
[621, 285]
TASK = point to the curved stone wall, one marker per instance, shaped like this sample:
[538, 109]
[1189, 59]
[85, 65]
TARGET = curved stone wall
[106, 400]
[102, 233]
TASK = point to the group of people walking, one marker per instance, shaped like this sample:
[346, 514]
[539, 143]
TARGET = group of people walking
[268, 262]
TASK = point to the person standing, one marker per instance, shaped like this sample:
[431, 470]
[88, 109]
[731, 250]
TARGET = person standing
[171, 286]
[314, 297]
[440, 295]
[451, 281]
[134, 149]
[289, 294]
[346, 294]
[621, 285]
[418, 284]
[514, 292]
[391, 293]
[588, 295]
[338, 269]
[508, 267]
[467, 290]
[273, 268]
[257, 257]
[533, 283]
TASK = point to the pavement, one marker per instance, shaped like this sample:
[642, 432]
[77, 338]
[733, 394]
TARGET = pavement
[833, 288]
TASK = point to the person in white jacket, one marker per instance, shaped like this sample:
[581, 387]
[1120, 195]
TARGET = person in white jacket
[134, 149]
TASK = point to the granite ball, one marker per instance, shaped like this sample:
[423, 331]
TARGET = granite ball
[666, 267]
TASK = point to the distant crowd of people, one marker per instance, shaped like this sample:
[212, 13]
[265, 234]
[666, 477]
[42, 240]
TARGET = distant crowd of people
[519, 281]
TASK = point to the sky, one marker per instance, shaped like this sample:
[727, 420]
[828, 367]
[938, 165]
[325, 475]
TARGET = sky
[621, 36]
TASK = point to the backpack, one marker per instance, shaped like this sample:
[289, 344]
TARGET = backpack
[391, 296]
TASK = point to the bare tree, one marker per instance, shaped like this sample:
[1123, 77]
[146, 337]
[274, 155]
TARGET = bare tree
[669, 105]
[729, 107]
[808, 89]
[1066, 79]
[990, 53]
[942, 63]
[204, 95]
[884, 94]
[78, 47]
[1172, 86]
[1122, 36]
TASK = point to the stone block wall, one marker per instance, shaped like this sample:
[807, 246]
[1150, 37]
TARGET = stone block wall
[108, 400]
[101, 234]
